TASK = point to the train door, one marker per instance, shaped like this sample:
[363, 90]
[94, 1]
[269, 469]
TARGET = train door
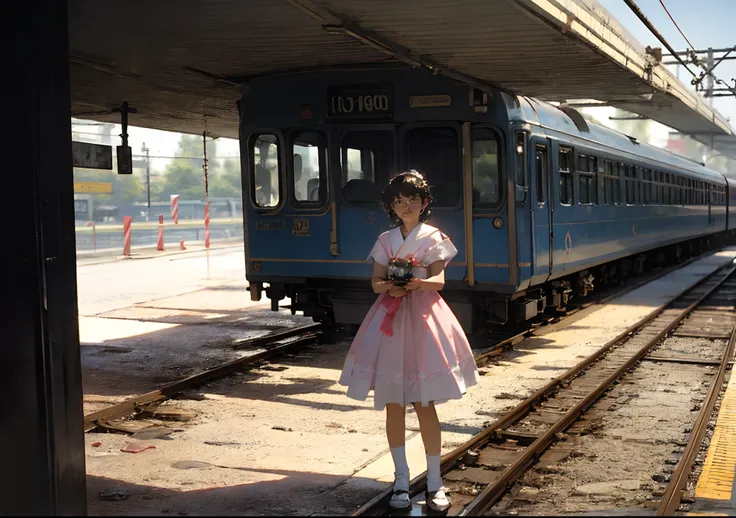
[435, 150]
[542, 207]
[363, 158]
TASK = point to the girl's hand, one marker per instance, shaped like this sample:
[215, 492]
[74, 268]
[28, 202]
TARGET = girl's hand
[397, 291]
[414, 284]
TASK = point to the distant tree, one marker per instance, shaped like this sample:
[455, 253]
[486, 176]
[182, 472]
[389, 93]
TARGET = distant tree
[225, 181]
[185, 176]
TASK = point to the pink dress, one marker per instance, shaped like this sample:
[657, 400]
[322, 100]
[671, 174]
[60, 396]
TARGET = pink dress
[411, 349]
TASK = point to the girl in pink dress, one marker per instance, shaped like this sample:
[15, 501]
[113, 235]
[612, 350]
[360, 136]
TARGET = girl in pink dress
[410, 349]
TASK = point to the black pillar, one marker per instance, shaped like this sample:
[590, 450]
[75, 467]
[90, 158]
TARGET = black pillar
[42, 466]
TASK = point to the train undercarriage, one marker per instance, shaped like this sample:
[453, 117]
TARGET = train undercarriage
[345, 303]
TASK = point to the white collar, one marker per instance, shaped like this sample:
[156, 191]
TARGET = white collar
[397, 239]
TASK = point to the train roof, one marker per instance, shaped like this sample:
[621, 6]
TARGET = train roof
[570, 122]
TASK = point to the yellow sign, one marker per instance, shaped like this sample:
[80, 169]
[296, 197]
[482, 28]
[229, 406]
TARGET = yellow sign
[300, 228]
[93, 187]
[430, 101]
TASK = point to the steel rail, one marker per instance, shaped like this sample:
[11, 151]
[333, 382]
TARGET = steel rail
[140, 402]
[498, 348]
[137, 403]
[673, 494]
[451, 459]
[491, 493]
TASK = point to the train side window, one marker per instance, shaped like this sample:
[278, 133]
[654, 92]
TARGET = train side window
[265, 163]
[694, 198]
[653, 187]
[582, 163]
[683, 191]
[366, 160]
[486, 176]
[435, 152]
[630, 198]
[693, 192]
[662, 189]
[611, 185]
[646, 187]
[588, 179]
[519, 159]
[675, 189]
[540, 170]
[309, 167]
[565, 165]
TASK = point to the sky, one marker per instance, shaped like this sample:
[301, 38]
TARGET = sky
[706, 23]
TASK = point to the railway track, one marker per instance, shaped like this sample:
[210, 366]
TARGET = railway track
[551, 323]
[481, 471]
[724, 328]
[140, 404]
[273, 344]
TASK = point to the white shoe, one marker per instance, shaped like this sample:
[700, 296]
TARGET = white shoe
[400, 499]
[437, 500]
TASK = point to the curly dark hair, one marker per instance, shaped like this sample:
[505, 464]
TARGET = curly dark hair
[409, 184]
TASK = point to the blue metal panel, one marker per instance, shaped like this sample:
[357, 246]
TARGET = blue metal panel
[491, 253]
[271, 101]
[600, 138]
[583, 236]
[334, 269]
[588, 235]
[524, 244]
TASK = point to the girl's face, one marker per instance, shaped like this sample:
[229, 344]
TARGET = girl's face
[408, 209]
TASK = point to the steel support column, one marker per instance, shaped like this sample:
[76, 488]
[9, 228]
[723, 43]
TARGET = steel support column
[42, 463]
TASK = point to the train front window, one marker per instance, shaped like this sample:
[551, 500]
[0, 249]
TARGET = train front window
[435, 152]
[486, 177]
[309, 159]
[366, 160]
[265, 168]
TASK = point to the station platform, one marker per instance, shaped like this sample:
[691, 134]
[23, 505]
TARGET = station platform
[715, 494]
[284, 439]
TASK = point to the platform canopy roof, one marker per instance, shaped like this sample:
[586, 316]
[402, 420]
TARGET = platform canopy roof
[177, 62]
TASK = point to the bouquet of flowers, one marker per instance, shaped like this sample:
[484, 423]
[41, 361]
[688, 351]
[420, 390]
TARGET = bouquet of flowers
[399, 270]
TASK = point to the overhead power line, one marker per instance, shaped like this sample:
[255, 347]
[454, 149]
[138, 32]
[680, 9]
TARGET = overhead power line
[675, 23]
[691, 53]
[635, 8]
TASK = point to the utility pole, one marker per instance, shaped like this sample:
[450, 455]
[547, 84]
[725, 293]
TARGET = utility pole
[145, 150]
[709, 65]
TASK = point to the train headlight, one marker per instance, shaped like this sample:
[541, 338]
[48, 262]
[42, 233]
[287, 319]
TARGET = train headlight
[498, 223]
[256, 265]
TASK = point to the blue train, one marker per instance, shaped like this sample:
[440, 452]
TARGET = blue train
[540, 203]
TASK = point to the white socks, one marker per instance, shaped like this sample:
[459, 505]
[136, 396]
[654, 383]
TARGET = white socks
[402, 468]
[434, 475]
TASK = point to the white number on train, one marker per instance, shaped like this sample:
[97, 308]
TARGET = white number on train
[359, 104]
